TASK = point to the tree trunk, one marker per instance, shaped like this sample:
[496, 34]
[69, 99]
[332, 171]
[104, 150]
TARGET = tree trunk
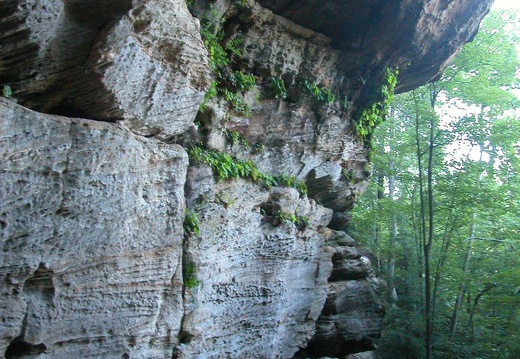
[463, 286]
[474, 307]
[426, 229]
[391, 290]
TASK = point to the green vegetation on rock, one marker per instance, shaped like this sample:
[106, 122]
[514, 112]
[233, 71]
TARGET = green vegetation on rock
[190, 276]
[374, 114]
[226, 167]
[191, 223]
[321, 94]
[230, 85]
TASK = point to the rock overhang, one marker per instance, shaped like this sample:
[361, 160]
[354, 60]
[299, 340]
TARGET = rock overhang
[420, 37]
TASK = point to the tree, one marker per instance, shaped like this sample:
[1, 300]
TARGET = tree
[443, 207]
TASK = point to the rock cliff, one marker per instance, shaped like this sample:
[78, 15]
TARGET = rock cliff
[176, 174]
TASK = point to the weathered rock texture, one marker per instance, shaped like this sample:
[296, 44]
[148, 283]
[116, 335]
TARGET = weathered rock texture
[94, 262]
[143, 64]
[91, 238]
[418, 36]
[262, 279]
[353, 313]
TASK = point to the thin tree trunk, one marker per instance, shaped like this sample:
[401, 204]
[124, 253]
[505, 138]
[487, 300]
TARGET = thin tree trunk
[464, 285]
[391, 290]
[474, 307]
[427, 248]
[427, 236]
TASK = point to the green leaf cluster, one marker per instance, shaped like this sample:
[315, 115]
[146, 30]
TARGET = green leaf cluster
[284, 217]
[191, 223]
[236, 138]
[237, 102]
[190, 276]
[243, 82]
[226, 167]
[375, 113]
[321, 94]
[277, 85]
[230, 85]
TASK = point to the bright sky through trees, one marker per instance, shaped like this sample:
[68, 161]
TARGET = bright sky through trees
[506, 4]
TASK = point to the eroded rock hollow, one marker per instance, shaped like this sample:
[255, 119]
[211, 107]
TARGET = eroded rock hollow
[176, 174]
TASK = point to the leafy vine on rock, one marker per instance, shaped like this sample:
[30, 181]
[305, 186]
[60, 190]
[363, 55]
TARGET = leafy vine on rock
[375, 113]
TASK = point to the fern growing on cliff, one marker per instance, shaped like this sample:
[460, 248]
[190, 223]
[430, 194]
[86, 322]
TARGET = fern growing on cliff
[230, 85]
[226, 167]
[375, 113]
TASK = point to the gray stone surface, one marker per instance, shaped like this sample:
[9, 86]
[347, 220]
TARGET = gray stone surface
[352, 316]
[143, 63]
[373, 33]
[91, 238]
[261, 286]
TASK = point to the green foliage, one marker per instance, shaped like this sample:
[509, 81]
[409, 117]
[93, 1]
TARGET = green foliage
[320, 94]
[212, 92]
[345, 103]
[236, 138]
[243, 82]
[226, 167]
[212, 35]
[237, 102]
[475, 249]
[230, 86]
[403, 338]
[373, 115]
[284, 217]
[191, 223]
[233, 46]
[291, 182]
[278, 87]
[6, 91]
[349, 175]
[190, 276]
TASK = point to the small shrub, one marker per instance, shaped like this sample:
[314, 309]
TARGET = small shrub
[233, 46]
[328, 97]
[243, 82]
[284, 217]
[226, 167]
[374, 114]
[236, 138]
[345, 103]
[322, 95]
[191, 223]
[237, 102]
[190, 276]
[219, 61]
[212, 92]
[292, 182]
[278, 86]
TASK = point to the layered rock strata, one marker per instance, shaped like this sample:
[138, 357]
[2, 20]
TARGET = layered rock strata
[91, 226]
[95, 261]
[143, 64]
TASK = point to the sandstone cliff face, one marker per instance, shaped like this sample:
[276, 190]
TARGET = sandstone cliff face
[95, 261]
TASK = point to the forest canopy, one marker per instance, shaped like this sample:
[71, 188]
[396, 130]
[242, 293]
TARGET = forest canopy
[442, 212]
